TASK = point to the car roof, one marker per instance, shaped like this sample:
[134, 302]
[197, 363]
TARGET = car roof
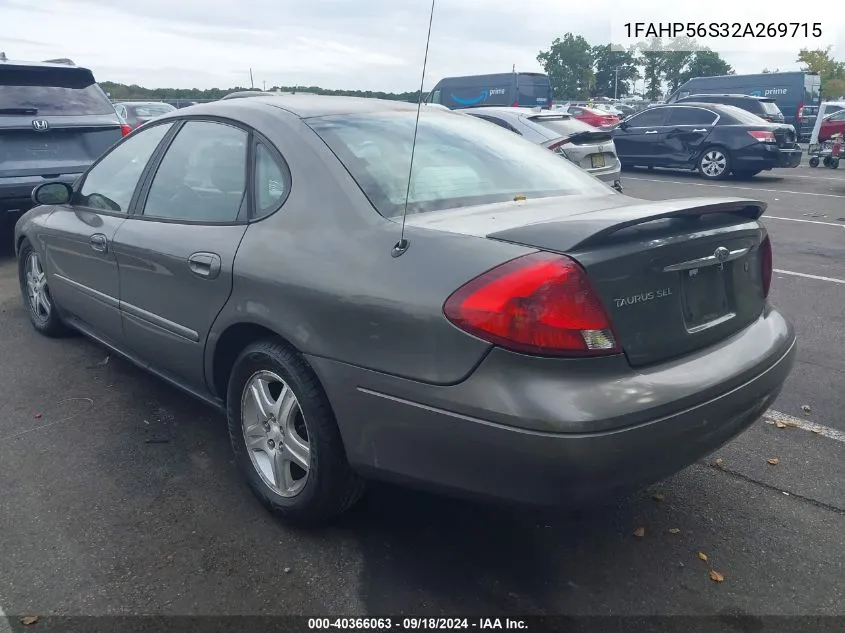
[303, 106]
[521, 110]
[64, 64]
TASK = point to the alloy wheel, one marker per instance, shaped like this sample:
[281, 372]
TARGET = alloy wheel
[713, 163]
[275, 433]
[36, 288]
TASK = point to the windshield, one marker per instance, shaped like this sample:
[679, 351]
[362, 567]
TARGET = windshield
[50, 91]
[770, 107]
[459, 161]
[563, 126]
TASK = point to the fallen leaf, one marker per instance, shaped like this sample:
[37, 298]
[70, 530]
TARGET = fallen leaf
[702, 556]
[719, 462]
[716, 576]
[674, 530]
[774, 461]
[780, 425]
[27, 620]
[806, 408]
[658, 496]
[38, 416]
[639, 532]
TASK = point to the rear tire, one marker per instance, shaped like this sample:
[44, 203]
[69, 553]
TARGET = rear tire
[37, 300]
[714, 163]
[814, 161]
[285, 437]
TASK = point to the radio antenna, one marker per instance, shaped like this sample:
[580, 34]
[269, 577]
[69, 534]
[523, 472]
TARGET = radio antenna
[402, 245]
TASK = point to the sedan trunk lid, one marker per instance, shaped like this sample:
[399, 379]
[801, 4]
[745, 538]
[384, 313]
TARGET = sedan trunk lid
[674, 275]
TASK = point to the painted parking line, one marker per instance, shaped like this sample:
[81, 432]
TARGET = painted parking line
[773, 417]
[703, 184]
[808, 276]
[776, 217]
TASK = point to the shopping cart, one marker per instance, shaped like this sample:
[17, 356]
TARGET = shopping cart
[827, 153]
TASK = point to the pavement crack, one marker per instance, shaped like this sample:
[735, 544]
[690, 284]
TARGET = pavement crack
[762, 484]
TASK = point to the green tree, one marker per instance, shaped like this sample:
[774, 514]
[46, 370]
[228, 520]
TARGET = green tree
[651, 58]
[615, 71]
[706, 63]
[569, 65]
[830, 70]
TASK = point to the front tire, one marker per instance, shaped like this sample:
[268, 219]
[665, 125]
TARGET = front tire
[714, 163]
[285, 437]
[37, 300]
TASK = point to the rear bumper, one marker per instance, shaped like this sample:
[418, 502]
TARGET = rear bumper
[592, 433]
[762, 156]
[16, 193]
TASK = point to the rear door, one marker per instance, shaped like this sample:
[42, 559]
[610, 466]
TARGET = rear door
[54, 121]
[638, 141]
[79, 238]
[687, 130]
[176, 252]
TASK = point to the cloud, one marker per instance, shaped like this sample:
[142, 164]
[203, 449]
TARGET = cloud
[372, 44]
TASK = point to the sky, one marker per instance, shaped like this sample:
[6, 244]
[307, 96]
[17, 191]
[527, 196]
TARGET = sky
[364, 44]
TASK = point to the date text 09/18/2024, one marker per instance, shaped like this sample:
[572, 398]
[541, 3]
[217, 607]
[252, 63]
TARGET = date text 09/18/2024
[762, 30]
[406, 623]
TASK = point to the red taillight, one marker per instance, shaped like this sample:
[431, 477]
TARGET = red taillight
[539, 304]
[125, 129]
[558, 144]
[766, 264]
[764, 136]
[516, 104]
[800, 114]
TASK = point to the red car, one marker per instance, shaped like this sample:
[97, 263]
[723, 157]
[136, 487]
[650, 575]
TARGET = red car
[593, 116]
[832, 124]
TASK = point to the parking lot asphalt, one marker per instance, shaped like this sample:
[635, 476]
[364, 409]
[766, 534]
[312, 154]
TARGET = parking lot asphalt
[118, 494]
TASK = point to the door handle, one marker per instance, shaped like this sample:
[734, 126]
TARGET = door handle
[206, 265]
[703, 129]
[652, 132]
[98, 242]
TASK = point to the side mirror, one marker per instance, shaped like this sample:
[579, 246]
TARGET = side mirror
[52, 193]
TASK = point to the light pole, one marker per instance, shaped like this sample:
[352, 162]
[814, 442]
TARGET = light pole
[616, 84]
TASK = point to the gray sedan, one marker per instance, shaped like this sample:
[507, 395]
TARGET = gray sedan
[589, 148]
[527, 334]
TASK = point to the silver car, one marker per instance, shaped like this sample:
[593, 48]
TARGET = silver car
[589, 148]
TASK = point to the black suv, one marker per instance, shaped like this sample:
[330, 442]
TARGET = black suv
[54, 122]
[764, 107]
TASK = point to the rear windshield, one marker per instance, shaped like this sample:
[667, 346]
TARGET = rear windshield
[770, 107]
[562, 126]
[743, 116]
[152, 110]
[51, 91]
[459, 161]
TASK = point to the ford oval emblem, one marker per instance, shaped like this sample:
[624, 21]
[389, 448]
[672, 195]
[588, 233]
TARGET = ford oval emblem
[722, 254]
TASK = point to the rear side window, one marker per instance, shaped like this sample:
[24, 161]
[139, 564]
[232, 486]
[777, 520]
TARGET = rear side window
[459, 161]
[51, 91]
[690, 116]
[271, 181]
[648, 118]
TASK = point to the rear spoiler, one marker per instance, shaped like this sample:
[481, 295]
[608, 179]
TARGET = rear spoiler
[593, 227]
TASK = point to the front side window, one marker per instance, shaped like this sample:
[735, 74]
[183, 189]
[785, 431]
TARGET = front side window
[649, 118]
[202, 177]
[690, 116]
[459, 161]
[111, 183]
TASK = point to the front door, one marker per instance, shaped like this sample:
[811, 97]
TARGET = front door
[78, 246]
[687, 129]
[177, 252]
[638, 139]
